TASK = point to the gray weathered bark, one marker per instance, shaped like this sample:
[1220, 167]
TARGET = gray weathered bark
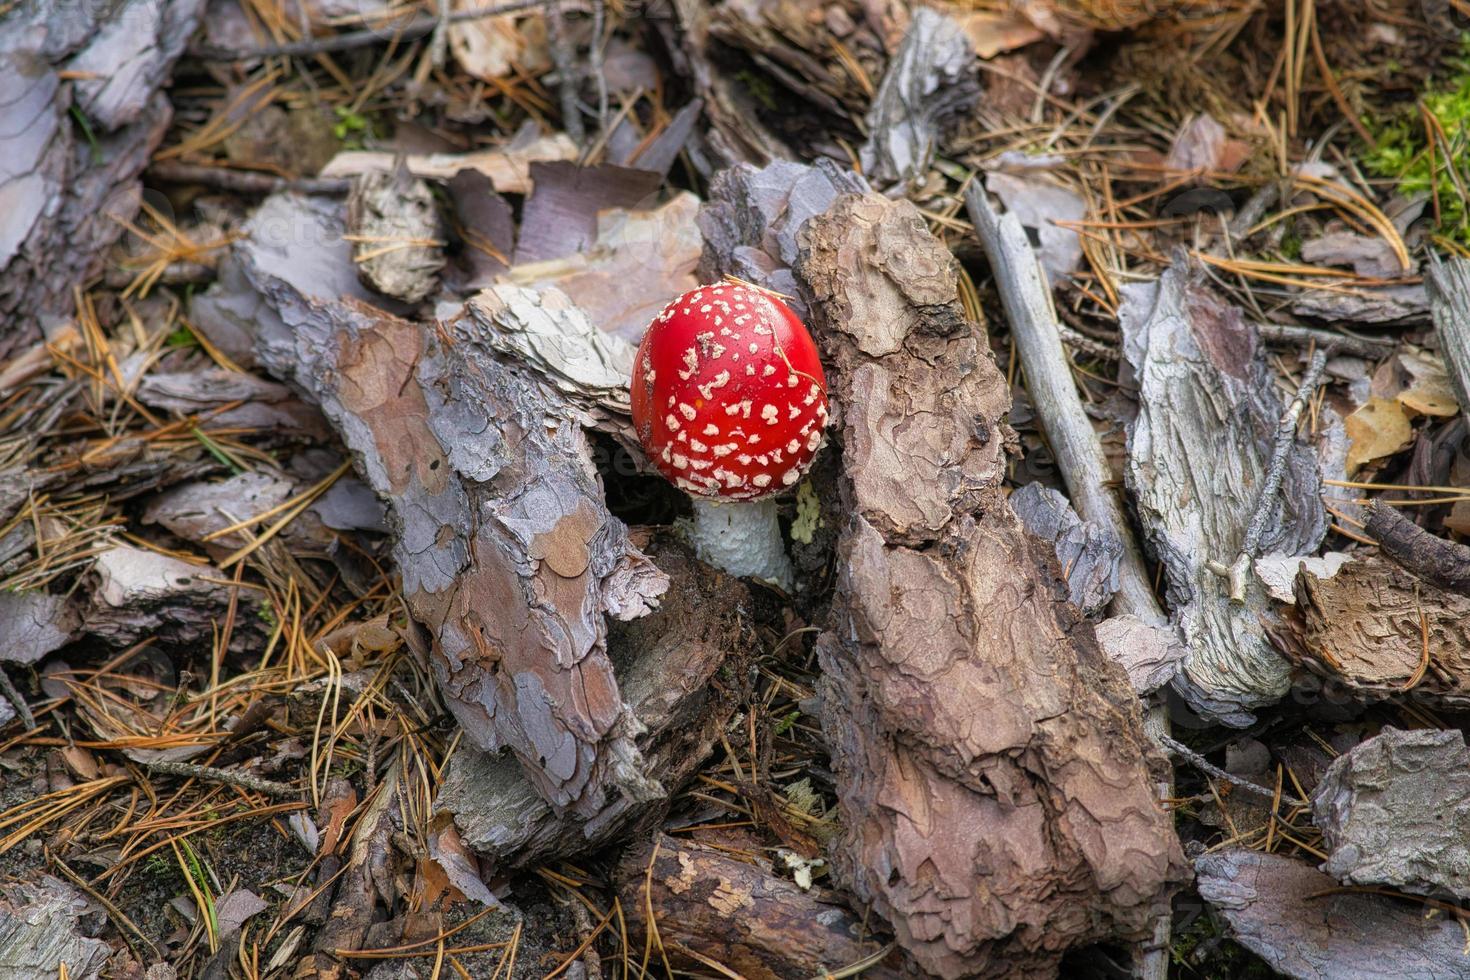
[61, 194]
[1287, 912]
[1395, 811]
[930, 81]
[1197, 457]
[1448, 282]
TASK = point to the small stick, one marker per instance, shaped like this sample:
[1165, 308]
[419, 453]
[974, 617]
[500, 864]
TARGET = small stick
[112, 910]
[566, 67]
[1210, 769]
[246, 181]
[210, 774]
[1286, 335]
[1037, 336]
[14, 697]
[1267, 505]
[408, 31]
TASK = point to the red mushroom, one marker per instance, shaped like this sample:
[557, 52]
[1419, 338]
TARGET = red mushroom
[730, 403]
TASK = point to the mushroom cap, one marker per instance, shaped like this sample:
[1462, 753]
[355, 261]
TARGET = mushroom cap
[729, 397]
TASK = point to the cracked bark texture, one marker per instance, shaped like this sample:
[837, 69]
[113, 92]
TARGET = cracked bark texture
[1395, 811]
[507, 552]
[1377, 631]
[683, 670]
[1198, 453]
[61, 195]
[992, 771]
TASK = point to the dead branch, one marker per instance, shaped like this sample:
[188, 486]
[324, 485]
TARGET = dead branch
[243, 181]
[1427, 555]
[347, 40]
[706, 904]
[189, 770]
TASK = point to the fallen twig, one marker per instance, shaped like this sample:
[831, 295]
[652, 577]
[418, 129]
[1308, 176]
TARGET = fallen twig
[1210, 769]
[245, 181]
[1281, 334]
[14, 697]
[568, 72]
[1266, 507]
[1428, 556]
[190, 770]
[1079, 455]
[411, 30]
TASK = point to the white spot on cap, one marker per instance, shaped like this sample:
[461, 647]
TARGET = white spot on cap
[681, 462]
[698, 446]
[711, 430]
[700, 464]
[687, 410]
[750, 370]
[761, 479]
[724, 450]
[793, 446]
[671, 422]
[814, 440]
[768, 370]
[754, 348]
[769, 413]
[792, 412]
[790, 476]
[791, 380]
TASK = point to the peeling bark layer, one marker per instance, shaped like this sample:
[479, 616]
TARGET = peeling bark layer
[507, 552]
[62, 196]
[992, 771]
[682, 671]
[1382, 633]
[706, 902]
[1198, 453]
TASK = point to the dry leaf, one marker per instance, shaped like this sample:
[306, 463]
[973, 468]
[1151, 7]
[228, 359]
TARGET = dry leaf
[992, 33]
[491, 47]
[1430, 392]
[1380, 428]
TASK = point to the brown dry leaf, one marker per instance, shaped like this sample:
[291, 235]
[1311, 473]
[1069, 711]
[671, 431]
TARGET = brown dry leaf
[993, 33]
[1430, 392]
[491, 47]
[80, 761]
[1380, 428]
[338, 810]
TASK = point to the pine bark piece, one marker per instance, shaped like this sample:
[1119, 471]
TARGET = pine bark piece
[1395, 811]
[141, 594]
[1448, 283]
[1198, 453]
[39, 931]
[683, 672]
[992, 772]
[397, 234]
[1089, 554]
[508, 554]
[1432, 558]
[1367, 626]
[1287, 912]
[929, 83]
[61, 197]
[706, 902]
[753, 215]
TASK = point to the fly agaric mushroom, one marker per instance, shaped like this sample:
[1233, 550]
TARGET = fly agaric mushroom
[730, 403]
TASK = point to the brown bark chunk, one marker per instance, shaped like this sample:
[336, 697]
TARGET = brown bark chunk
[706, 902]
[992, 769]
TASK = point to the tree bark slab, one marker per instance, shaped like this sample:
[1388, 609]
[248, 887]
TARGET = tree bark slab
[992, 771]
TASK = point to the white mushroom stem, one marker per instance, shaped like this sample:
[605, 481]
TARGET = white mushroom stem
[741, 537]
